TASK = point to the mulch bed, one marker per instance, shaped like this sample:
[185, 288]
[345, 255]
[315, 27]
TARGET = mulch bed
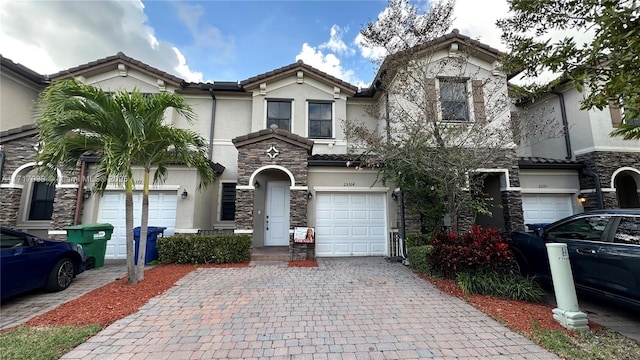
[303, 263]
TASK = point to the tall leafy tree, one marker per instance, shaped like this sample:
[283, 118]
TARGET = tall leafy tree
[429, 143]
[125, 129]
[606, 64]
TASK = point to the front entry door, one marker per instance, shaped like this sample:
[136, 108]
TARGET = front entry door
[277, 214]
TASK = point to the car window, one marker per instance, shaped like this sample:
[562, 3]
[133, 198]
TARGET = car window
[628, 231]
[587, 228]
[8, 240]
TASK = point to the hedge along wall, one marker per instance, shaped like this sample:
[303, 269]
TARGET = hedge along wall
[204, 249]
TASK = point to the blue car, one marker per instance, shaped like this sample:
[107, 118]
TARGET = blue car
[29, 262]
[604, 252]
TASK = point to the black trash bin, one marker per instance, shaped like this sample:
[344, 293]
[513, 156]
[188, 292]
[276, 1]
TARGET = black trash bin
[151, 253]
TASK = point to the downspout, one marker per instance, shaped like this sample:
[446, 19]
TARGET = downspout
[565, 124]
[387, 115]
[402, 225]
[80, 193]
[213, 122]
[596, 181]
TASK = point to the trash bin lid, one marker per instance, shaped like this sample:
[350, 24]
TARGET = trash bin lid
[90, 227]
[150, 229]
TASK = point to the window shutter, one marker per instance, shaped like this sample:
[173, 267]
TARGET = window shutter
[616, 114]
[478, 101]
[432, 97]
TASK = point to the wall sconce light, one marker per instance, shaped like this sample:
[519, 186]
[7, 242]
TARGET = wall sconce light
[256, 184]
[184, 194]
[309, 195]
[86, 193]
[394, 196]
[582, 199]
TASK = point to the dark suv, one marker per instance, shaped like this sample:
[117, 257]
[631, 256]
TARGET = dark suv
[604, 251]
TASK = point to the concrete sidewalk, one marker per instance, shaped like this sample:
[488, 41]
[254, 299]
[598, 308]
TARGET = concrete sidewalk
[351, 308]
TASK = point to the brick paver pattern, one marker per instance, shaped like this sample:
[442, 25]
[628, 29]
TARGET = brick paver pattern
[352, 308]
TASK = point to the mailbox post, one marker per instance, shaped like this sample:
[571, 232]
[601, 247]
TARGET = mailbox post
[567, 313]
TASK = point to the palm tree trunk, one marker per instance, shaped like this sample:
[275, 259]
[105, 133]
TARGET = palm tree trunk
[144, 224]
[131, 269]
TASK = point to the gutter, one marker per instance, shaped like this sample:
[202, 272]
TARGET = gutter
[596, 180]
[213, 122]
[565, 124]
[80, 193]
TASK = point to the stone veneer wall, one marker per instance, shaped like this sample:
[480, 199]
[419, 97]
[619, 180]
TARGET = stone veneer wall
[19, 152]
[9, 206]
[511, 200]
[64, 207]
[604, 163]
[294, 158]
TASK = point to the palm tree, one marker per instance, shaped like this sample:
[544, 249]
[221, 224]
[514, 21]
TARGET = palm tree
[125, 130]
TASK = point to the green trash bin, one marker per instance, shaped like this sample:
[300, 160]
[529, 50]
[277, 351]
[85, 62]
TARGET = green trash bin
[93, 238]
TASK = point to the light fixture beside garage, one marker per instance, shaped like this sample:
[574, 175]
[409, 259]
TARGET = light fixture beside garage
[184, 194]
[582, 199]
[86, 193]
[309, 195]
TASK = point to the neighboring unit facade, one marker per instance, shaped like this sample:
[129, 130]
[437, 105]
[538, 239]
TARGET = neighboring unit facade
[280, 154]
[569, 163]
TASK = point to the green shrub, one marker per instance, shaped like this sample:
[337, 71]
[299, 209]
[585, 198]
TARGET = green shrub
[481, 249]
[417, 256]
[501, 285]
[204, 249]
[414, 240]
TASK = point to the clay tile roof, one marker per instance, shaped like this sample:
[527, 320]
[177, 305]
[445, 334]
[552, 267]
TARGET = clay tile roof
[539, 162]
[281, 134]
[292, 68]
[23, 71]
[16, 133]
[119, 57]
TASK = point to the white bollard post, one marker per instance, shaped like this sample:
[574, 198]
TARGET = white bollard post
[568, 312]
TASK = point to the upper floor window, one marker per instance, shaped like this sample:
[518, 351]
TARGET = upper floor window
[42, 201]
[279, 113]
[228, 202]
[454, 100]
[320, 120]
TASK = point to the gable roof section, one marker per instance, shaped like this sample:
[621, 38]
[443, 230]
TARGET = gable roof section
[276, 133]
[293, 69]
[438, 43]
[119, 58]
[23, 71]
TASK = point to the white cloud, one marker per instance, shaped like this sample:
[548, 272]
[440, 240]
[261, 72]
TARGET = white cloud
[335, 42]
[49, 36]
[478, 20]
[328, 63]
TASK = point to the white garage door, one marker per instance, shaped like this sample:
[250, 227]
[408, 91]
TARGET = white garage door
[350, 224]
[545, 208]
[162, 212]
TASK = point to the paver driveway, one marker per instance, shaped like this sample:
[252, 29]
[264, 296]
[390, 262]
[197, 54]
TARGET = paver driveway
[352, 308]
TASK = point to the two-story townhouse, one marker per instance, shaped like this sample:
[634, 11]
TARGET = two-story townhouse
[19, 89]
[569, 163]
[279, 148]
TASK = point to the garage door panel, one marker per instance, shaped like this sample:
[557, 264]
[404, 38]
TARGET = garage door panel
[162, 212]
[350, 224]
[546, 208]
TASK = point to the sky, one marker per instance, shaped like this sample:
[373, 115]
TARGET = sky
[203, 41]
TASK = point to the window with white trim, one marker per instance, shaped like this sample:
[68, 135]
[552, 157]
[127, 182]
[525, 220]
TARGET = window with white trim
[454, 101]
[279, 113]
[42, 201]
[320, 120]
[228, 202]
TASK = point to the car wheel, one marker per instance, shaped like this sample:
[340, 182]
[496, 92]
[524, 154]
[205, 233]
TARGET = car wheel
[519, 265]
[60, 276]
